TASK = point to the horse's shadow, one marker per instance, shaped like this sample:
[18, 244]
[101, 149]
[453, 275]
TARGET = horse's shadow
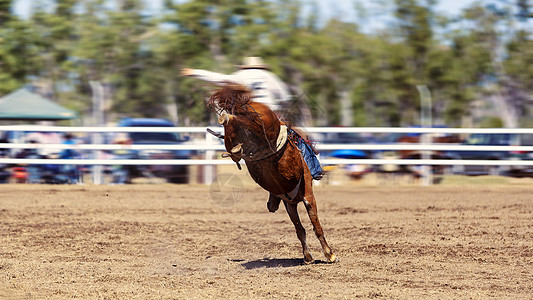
[274, 263]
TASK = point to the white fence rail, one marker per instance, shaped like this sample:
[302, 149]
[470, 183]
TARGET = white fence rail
[209, 145]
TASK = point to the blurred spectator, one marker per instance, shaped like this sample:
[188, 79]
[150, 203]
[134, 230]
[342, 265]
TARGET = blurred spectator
[3, 139]
[53, 173]
[28, 152]
[45, 138]
[120, 173]
[20, 175]
[30, 173]
[4, 171]
[68, 139]
[71, 172]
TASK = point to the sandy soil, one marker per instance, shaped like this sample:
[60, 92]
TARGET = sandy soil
[191, 242]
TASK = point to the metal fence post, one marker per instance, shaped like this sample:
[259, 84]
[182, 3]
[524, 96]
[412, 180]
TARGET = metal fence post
[98, 119]
[426, 120]
[209, 170]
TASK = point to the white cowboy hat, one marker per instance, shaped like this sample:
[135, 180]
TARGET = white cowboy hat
[253, 62]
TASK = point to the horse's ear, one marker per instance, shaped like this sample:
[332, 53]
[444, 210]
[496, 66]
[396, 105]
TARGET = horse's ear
[223, 119]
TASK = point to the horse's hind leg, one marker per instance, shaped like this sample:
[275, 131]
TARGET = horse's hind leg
[292, 210]
[310, 205]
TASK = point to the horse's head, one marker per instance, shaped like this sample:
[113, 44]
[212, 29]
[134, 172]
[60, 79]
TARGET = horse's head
[249, 127]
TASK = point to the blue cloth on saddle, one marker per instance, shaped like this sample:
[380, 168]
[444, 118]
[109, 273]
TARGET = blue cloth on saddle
[309, 156]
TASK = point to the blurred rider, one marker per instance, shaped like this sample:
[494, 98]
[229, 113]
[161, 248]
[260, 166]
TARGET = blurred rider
[266, 87]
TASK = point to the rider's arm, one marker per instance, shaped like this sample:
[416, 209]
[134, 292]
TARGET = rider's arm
[209, 76]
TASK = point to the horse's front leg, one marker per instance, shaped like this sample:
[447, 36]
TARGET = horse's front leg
[292, 210]
[273, 203]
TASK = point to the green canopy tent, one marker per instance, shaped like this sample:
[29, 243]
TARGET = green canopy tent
[25, 105]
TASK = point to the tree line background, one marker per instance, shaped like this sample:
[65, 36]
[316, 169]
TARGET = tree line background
[478, 65]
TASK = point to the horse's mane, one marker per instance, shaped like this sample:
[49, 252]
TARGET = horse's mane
[233, 98]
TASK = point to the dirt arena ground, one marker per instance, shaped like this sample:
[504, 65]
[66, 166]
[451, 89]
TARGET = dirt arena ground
[162, 241]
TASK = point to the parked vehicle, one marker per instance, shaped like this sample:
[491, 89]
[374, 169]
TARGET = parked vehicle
[522, 171]
[354, 171]
[500, 139]
[172, 173]
[344, 138]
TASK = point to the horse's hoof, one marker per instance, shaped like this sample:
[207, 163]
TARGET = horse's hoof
[271, 207]
[273, 203]
[308, 258]
[333, 258]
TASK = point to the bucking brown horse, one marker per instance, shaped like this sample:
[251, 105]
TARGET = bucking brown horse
[254, 133]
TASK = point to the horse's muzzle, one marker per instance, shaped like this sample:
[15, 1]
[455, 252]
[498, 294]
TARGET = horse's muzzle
[237, 149]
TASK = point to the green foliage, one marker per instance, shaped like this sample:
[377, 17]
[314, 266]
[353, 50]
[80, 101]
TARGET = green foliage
[137, 58]
[5, 7]
[491, 122]
[18, 54]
